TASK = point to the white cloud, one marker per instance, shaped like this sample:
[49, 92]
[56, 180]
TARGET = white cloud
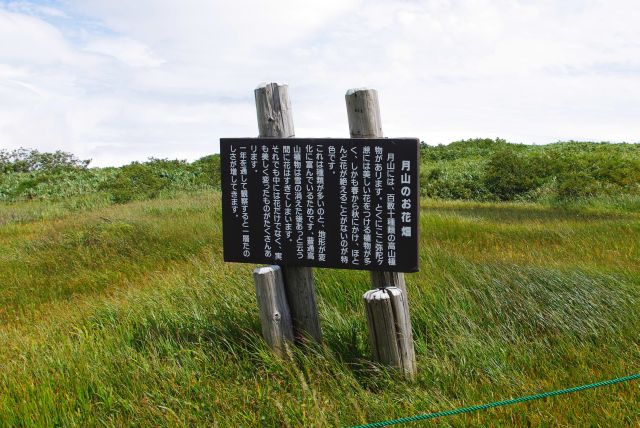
[118, 80]
[128, 51]
[30, 8]
[30, 40]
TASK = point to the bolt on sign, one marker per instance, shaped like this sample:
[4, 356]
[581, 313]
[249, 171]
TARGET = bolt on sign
[348, 203]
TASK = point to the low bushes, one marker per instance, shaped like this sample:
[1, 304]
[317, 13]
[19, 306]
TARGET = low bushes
[495, 170]
[478, 169]
[28, 174]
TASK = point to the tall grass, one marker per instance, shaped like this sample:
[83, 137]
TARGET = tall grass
[115, 315]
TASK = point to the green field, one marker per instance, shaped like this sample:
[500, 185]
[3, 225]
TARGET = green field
[125, 314]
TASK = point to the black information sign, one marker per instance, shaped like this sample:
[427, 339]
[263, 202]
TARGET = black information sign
[336, 203]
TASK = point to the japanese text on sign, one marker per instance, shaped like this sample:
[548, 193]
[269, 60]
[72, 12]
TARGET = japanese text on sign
[342, 203]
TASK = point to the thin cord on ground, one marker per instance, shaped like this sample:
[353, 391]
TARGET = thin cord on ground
[498, 403]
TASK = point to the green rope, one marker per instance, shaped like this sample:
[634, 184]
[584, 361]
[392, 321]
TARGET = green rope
[498, 403]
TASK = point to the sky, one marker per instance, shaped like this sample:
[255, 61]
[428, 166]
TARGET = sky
[119, 80]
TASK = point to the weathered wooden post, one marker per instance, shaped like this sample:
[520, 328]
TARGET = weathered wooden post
[347, 203]
[390, 329]
[275, 318]
[275, 120]
[387, 305]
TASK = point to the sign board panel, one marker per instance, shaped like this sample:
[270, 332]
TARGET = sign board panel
[326, 202]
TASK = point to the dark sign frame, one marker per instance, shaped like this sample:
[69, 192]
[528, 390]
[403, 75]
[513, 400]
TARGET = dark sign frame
[305, 226]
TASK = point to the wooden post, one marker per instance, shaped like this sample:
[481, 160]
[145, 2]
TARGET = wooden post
[275, 318]
[275, 120]
[390, 329]
[363, 111]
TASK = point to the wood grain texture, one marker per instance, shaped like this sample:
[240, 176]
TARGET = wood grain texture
[273, 107]
[381, 279]
[301, 296]
[363, 112]
[275, 318]
[390, 329]
[275, 120]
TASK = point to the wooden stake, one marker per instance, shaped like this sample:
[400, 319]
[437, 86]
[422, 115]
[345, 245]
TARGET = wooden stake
[275, 318]
[390, 329]
[363, 112]
[301, 296]
[275, 119]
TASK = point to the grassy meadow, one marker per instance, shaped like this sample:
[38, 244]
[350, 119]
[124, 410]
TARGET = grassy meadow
[125, 314]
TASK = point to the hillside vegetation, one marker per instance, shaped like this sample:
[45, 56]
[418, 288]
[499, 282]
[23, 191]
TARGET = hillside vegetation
[116, 308]
[494, 170]
[126, 315]
[479, 170]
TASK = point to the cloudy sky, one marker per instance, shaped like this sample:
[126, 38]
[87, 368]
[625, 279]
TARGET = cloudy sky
[121, 80]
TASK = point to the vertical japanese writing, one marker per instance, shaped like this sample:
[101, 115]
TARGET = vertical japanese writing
[309, 161]
[266, 201]
[328, 203]
[320, 203]
[405, 193]
[297, 189]
[344, 200]
[233, 172]
[391, 210]
[287, 191]
[277, 202]
[244, 203]
[331, 158]
[254, 157]
[379, 211]
[366, 206]
[355, 206]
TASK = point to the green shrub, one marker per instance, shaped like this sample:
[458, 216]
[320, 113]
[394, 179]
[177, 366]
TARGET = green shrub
[475, 169]
[30, 160]
[577, 184]
[149, 179]
[208, 170]
[510, 174]
[472, 148]
[135, 181]
[460, 180]
[621, 172]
